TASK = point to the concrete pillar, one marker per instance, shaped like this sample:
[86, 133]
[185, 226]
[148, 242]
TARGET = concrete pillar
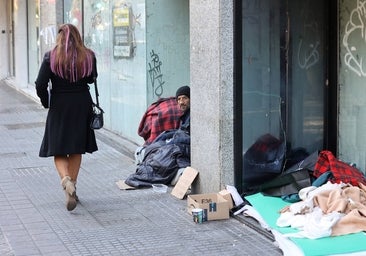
[211, 72]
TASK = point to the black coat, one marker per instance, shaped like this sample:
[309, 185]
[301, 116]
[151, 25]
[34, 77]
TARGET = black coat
[67, 128]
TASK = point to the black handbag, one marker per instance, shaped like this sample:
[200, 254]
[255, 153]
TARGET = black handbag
[97, 120]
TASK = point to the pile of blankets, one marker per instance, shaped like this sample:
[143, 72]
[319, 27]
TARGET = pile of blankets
[332, 209]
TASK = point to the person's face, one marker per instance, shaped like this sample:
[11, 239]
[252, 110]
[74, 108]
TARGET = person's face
[183, 102]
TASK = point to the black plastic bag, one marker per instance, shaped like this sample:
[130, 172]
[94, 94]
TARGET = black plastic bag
[293, 179]
[287, 183]
[263, 160]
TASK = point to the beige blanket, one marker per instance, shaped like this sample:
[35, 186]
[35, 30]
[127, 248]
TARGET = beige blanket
[351, 201]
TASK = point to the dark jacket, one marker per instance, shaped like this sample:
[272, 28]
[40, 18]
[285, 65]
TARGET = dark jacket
[163, 158]
[185, 121]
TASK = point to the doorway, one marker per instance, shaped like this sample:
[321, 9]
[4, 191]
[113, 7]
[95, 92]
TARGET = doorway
[284, 74]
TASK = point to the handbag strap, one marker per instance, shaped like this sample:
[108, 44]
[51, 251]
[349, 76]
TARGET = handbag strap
[96, 89]
[96, 92]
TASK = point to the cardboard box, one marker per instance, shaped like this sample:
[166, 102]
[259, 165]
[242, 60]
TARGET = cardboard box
[216, 207]
[227, 195]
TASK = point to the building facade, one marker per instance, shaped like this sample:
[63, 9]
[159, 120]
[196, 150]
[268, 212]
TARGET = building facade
[292, 69]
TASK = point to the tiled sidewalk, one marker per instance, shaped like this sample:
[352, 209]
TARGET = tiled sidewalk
[108, 221]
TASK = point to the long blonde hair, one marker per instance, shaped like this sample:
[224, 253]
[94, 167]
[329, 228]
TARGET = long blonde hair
[70, 59]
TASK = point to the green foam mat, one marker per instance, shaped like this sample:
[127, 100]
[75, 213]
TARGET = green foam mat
[269, 207]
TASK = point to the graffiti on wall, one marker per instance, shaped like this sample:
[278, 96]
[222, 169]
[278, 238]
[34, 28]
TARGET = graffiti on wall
[355, 32]
[311, 55]
[156, 77]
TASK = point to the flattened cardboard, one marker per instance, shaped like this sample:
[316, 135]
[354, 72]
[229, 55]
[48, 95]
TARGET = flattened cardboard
[123, 186]
[184, 182]
[227, 195]
[216, 207]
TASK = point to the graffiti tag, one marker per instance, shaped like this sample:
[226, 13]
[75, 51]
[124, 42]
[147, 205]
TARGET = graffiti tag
[156, 77]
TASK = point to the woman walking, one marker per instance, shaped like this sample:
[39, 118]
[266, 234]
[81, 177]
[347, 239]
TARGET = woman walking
[70, 67]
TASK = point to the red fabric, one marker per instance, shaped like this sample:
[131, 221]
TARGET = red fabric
[342, 172]
[160, 116]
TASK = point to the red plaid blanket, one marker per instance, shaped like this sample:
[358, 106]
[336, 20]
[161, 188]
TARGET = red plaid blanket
[160, 116]
[342, 172]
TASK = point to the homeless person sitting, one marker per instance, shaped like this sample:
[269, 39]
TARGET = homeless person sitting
[169, 153]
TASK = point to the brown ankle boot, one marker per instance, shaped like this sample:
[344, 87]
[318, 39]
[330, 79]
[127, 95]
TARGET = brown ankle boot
[70, 193]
